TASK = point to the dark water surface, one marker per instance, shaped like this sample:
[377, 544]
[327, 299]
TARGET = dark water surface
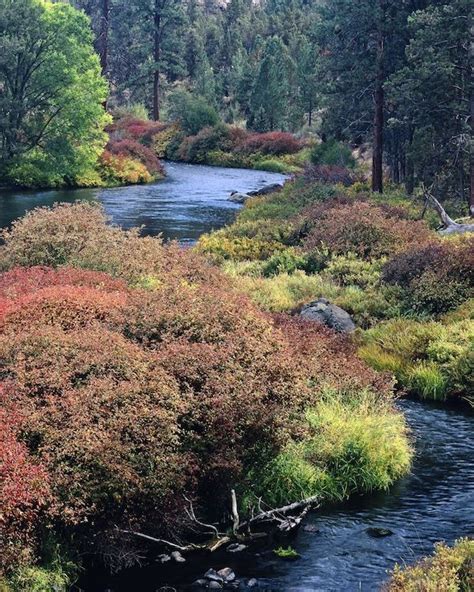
[435, 502]
[190, 201]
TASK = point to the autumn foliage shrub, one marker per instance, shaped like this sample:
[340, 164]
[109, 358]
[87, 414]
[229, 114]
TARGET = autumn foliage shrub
[24, 489]
[436, 277]
[275, 143]
[135, 150]
[361, 227]
[133, 128]
[330, 174]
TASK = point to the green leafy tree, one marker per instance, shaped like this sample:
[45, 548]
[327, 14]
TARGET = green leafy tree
[51, 94]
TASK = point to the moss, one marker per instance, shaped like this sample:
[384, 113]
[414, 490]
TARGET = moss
[450, 569]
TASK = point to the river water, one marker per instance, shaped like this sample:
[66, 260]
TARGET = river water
[435, 502]
[191, 200]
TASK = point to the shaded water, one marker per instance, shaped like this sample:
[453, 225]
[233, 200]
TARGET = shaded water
[190, 201]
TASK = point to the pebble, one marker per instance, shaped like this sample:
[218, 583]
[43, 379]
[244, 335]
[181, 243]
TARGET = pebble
[236, 548]
[252, 583]
[176, 555]
[213, 585]
[226, 574]
[163, 558]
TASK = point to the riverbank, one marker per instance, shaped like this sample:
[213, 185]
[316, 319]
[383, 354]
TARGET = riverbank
[407, 289]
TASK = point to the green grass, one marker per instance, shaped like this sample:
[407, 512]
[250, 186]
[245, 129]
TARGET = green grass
[353, 445]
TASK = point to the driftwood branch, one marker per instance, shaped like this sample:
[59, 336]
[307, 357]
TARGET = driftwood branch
[235, 513]
[450, 226]
[284, 520]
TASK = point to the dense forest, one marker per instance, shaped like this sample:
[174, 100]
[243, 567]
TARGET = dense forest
[172, 406]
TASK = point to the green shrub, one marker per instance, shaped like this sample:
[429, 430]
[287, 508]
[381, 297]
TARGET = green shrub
[287, 261]
[450, 569]
[221, 247]
[274, 166]
[350, 270]
[332, 153]
[193, 112]
[352, 445]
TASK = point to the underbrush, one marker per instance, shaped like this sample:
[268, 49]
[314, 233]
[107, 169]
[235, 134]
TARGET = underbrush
[449, 569]
[135, 375]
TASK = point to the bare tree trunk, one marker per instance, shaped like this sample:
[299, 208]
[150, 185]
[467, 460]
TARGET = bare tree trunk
[450, 226]
[157, 57]
[104, 36]
[310, 112]
[377, 159]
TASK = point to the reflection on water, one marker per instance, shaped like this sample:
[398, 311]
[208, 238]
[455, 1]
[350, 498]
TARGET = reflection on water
[190, 201]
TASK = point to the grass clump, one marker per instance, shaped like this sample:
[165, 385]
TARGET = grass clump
[449, 569]
[289, 553]
[432, 360]
[352, 444]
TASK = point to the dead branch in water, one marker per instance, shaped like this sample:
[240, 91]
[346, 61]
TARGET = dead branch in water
[283, 520]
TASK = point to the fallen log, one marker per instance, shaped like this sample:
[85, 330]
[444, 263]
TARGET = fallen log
[450, 226]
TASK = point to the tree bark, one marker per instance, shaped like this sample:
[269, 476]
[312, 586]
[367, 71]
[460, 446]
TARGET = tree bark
[379, 99]
[157, 57]
[104, 36]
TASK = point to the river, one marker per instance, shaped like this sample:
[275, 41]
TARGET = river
[435, 502]
[191, 200]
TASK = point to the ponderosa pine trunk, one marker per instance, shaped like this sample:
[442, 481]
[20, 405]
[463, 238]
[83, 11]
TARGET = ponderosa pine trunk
[156, 57]
[104, 36]
[379, 99]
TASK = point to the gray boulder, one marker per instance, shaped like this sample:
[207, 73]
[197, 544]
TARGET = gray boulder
[238, 198]
[322, 311]
[265, 190]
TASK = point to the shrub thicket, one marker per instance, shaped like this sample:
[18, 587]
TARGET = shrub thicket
[135, 390]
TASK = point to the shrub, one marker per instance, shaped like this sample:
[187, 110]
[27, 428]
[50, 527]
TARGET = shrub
[221, 247]
[195, 148]
[135, 128]
[121, 170]
[287, 261]
[134, 150]
[436, 278]
[330, 174]
[348, 270]
[450, 568]
[362, 228]
[272, 165]
[332, 153]
[193, 112]
[24, 490]
[275, 143]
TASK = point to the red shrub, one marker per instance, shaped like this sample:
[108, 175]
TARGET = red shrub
[135, 150]
[362, 228]
[271, 143]
[20, 281]
[435, 277]
[132, 128]
[24, 489]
